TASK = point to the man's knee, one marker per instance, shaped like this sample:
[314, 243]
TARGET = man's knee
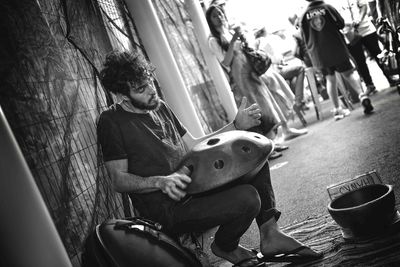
[298, 69]
[248, 199]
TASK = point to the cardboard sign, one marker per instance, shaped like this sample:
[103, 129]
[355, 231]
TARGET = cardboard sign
[362, 180]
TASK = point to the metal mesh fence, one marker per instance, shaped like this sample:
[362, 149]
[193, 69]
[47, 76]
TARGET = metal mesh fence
[50, 55]
[52, 97]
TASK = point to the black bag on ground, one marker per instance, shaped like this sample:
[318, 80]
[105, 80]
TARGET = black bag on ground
[134, 242]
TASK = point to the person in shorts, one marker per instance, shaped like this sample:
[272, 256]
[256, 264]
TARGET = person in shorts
[320, 27]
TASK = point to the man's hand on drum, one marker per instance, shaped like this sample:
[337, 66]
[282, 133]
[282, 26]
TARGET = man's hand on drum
[247, 117]
[174, 185]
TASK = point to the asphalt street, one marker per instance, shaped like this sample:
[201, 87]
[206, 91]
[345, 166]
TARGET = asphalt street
[333, 152]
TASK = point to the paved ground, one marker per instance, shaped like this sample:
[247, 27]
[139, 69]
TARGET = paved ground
[333, 151]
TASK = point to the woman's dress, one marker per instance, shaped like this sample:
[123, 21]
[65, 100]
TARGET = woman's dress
[244, 82]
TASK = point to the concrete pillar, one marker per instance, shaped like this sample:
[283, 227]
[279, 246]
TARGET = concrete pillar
[203, 32]
[160, 54]
[28, 234]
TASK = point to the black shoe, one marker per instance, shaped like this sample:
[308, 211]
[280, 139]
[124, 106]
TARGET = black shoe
[366, 103]
[280, 148]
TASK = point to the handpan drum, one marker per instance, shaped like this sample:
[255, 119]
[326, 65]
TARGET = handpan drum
[224, 158]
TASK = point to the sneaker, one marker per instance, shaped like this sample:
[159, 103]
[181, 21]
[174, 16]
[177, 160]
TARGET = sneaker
[340, 113]
[366, 103]
[274, 155]
[371, 89]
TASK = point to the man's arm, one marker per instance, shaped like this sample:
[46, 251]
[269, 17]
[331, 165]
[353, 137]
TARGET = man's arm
[173, 185]
[245, 118]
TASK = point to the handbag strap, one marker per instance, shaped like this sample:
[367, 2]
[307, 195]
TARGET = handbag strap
[245, 43]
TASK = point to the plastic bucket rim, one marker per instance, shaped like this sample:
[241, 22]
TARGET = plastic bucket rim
[388, 186]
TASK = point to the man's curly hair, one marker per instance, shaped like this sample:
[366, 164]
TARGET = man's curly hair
[122, 67]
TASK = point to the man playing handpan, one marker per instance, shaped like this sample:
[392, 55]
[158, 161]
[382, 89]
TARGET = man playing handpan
[143, 142]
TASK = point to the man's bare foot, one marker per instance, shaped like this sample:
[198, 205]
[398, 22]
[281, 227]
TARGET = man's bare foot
[235, 256]
[274, 241]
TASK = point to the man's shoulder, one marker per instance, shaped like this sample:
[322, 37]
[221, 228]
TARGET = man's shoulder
[110, 110]
[110, 113]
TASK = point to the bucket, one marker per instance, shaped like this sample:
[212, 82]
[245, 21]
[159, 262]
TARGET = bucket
[365, 212]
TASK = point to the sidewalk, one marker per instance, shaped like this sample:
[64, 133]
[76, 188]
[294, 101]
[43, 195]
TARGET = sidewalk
[332, 151]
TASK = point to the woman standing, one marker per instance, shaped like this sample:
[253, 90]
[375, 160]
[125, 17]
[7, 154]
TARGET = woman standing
[244, 82]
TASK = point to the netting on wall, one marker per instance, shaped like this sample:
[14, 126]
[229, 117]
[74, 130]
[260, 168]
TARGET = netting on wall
[50, 93]
[50, 54]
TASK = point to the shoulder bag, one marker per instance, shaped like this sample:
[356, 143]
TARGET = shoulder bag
[134, 242]
[258, 60]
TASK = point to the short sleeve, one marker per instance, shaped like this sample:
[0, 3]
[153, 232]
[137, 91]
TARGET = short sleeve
[110, 138]
[178, 125]
[335, 16]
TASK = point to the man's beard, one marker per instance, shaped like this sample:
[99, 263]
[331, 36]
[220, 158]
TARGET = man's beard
[146, 106]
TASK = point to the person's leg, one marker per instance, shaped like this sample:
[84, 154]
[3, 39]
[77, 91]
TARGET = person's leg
[331, 87]
[357, 52]
[371, 43]
[273, 242]
[262, 183]
[354, 81]
[288, 133]
[295, 71]
[299, 106]
[299, 88]
[272, 239]
[276, 82]
[282, 94]
[233, 209]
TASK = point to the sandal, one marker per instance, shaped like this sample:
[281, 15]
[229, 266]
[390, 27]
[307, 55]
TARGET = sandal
[256, 256]
[292, 256]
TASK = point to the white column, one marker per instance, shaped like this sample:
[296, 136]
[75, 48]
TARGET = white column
[28, 234]
[203, 32]
[160, 54]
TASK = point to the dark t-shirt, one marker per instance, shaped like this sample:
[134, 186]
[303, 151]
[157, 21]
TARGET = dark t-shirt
[151, 142]
[153, 145]
[320, 26]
